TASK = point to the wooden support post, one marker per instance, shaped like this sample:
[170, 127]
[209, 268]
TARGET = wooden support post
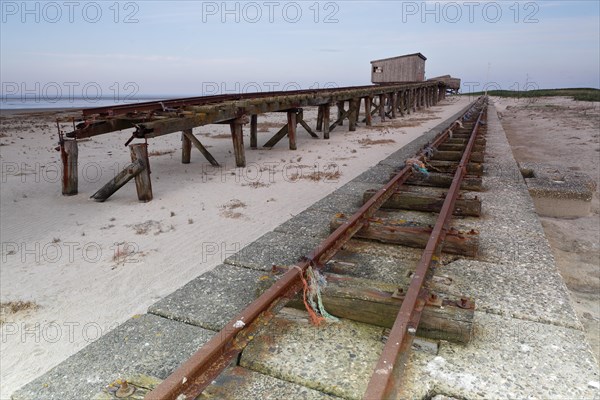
[414, 100]
[368, 117]
[291, 117]
[326, 112]
[188, 133]
[382, 107]
[237, 135]
[69, 154]
[319, 127]
[394, 100]
[411, 234]
[253, 131]
[143, 184]
[401, 103]
[127, 174]
[186, 148]
[340, 113]
[353, 114]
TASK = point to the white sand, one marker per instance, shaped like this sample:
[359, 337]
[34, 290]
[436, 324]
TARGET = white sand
[59, 251]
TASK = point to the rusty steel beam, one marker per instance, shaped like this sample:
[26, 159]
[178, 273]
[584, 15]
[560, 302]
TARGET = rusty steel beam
[195, 374]
[385, 381]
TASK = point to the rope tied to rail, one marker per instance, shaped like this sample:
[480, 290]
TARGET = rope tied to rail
[418, 166]
[313, 300]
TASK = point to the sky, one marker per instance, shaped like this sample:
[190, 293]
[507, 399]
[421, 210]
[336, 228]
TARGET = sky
[127, 48]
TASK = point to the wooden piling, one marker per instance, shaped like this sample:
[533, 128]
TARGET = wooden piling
[237, 136]
[382, 107]
[326, 113]
[253, 131]
[401, 103]
[340, 113]
[69, 154]
[353, 115]
[394, 100]
[319, 126]
[291, 117]
[143, 184]
[186, 148]
[368, 118]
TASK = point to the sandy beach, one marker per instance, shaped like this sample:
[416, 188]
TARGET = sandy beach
[73, 269]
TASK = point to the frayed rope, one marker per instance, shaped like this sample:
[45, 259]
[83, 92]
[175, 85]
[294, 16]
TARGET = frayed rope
[312, 289]
[418, 166]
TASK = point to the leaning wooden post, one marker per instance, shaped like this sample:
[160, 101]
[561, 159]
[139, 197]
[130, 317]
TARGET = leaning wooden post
[368, 118]
[382, 107]
[68, 155]
[326, 112]
[292, 121]
[143, 184]
[319, 127]
[352, 117]
[237, 136]
[127, 174]
[254, 131]
[186, 148]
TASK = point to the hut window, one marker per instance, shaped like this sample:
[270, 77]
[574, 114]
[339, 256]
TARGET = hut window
[377, 70]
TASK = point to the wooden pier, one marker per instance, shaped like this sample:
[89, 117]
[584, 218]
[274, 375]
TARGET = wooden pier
[157, 118]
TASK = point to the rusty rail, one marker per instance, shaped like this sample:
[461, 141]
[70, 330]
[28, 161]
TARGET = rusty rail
[386, 376]
[195, 374]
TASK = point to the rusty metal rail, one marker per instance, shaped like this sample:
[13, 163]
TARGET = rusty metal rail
[195, 374]
[386, 376]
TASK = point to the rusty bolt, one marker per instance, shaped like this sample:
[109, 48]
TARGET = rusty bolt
[125, 390]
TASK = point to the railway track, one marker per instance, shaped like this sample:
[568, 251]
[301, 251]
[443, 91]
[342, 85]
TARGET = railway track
[434, 182]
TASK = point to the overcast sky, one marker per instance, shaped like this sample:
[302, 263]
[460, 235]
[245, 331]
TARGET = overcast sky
[203, 47]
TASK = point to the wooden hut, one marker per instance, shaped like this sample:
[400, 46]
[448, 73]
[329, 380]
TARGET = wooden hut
[407, 68]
